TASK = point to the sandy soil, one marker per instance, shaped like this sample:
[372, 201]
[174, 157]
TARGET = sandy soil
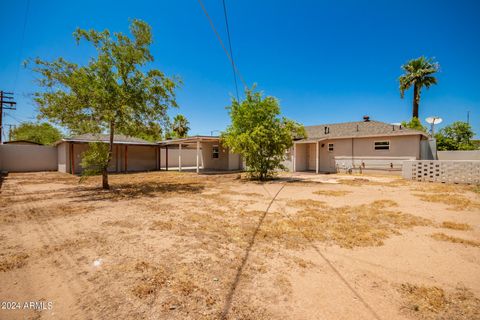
[180, 246]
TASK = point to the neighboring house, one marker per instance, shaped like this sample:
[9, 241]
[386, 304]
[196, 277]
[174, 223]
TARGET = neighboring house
[367, 144]
[129, 154]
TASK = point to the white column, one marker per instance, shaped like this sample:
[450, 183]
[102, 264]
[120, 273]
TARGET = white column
[198, 156]
[294, 157]
[180, 157]
[317, 159]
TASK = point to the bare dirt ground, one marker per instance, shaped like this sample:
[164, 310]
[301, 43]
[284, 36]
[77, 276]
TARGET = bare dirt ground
[180, 246]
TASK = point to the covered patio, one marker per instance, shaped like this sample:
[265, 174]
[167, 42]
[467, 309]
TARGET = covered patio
[209, 154]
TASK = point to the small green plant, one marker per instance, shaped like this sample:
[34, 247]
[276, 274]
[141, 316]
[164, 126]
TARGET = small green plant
[95, 159]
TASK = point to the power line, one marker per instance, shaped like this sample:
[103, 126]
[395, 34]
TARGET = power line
[230, 46]
[221, 43]
[21, 44]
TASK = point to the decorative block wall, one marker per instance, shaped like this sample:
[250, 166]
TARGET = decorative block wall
[447, 171]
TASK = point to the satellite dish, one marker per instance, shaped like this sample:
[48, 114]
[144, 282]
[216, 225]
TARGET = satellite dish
[434, 120]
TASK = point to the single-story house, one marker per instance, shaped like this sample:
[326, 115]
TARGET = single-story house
[364, 144]
[134, 154]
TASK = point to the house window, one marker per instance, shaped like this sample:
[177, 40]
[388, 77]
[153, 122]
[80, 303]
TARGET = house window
[382, 145]
[215, 152]
[330, 147]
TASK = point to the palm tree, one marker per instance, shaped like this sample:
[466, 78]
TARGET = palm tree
[419, 73]
[180, 126]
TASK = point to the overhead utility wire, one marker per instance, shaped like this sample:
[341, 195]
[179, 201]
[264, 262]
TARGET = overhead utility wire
[230, 47]
[221, 43]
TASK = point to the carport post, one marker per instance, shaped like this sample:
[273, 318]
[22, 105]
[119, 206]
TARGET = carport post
[166, 157]
[294, 157]
[317, 159]
[180, 156]
[198, 156]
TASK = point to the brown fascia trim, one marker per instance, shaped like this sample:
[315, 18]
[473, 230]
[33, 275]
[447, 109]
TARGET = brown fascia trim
[359, 137]
[114, 142]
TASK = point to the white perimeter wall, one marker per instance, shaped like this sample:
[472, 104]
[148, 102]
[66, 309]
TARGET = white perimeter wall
[449, 171]
[24, 158]
[459, 155]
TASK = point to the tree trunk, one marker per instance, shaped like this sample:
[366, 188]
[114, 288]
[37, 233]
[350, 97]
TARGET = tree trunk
[105, 184]
[416, 100]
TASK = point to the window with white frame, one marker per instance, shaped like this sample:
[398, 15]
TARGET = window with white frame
[382, 145]
[330, 147]
[215, 151]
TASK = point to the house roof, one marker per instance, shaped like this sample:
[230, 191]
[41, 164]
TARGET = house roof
[118, 139]
[22, 142]
[357, 129]
[191, 139]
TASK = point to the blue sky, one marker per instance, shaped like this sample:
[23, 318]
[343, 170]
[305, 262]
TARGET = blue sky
[326, 61]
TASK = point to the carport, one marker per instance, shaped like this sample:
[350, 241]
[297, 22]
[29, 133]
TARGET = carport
[209, 152]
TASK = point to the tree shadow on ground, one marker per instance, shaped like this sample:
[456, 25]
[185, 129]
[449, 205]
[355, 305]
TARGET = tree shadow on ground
[126, 191]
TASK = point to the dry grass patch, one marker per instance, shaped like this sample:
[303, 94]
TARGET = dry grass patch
[434, 303]
[332, 193]
[12, 261]
[444, 237]
[348, 227]
[454, 201]
[456, 226]
[363, 181]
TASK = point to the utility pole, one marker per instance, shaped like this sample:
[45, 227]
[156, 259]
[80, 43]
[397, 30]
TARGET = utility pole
[468, 117]
[7, 103]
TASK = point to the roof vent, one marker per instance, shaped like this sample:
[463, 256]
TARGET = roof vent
[366, 118]
[327, 130]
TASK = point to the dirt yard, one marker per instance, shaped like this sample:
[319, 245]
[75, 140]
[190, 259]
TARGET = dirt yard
[181, 246]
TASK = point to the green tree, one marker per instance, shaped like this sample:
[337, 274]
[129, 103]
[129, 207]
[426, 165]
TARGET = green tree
[456, 136]
[113, 92]
[259, 134]
[180, 126]
[418, 73]
[43, 133]
[414, 124]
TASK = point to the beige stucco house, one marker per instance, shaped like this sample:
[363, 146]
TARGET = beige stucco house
[369, 145]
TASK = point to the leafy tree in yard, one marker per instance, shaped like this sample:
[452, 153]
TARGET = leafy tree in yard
[456, 136]
[414, 124]
[418, 73]
[43, 133]
[180, 126]
[111, 93]
[259, 134]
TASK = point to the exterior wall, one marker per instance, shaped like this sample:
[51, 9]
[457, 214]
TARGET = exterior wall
[459, 155]
[225, 160]
[401, 148]
[62, 157]
[141, 158]
[301, 157]
[446, 171]
[24, 158]
[189, 157]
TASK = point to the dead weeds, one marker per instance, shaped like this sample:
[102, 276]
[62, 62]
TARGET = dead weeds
[456, 226]
[332, 193]
[348, 227]
[444, 237]
[454, 201]
[434, 303]
[12, 261]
